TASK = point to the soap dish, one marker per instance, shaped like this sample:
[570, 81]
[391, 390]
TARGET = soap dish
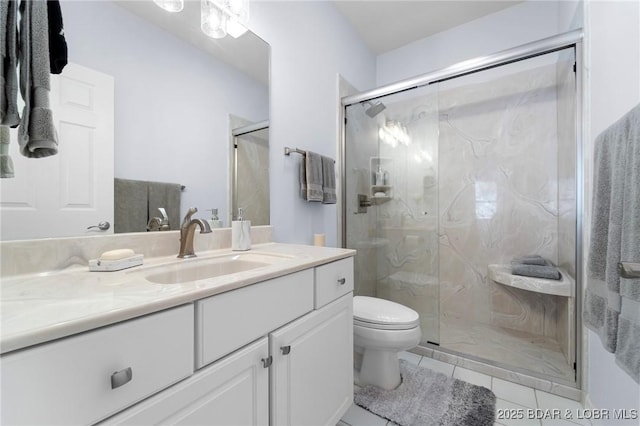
[99, 265]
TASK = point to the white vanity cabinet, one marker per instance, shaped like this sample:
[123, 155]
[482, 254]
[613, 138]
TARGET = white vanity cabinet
[278, 352]
[85, 378]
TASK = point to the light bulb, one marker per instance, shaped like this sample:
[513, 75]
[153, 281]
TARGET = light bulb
[170, 5]
[213, 21]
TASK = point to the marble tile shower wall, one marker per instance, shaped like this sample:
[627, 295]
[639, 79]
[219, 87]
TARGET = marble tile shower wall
[498, 196]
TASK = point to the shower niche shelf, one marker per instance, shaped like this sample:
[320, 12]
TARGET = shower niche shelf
[380, 187]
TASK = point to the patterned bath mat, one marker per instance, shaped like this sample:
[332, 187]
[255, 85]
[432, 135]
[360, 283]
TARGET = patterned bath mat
[429, 398]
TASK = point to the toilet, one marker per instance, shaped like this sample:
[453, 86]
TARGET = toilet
[381, 329]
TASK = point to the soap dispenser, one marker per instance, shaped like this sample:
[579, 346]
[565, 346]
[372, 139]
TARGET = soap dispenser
[214, 222]
[240, 233]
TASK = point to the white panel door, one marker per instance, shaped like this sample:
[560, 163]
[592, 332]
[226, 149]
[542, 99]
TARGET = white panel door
[64, 194]
[312, 371]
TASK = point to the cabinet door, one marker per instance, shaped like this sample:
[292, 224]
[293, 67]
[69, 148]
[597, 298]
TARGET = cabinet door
[312, 371]
[88, 377]
[232, 391]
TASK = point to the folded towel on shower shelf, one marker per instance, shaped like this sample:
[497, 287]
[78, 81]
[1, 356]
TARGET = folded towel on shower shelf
[537, 271]
[531, 260]
[612, 304]
[328, 181]
[311, 177]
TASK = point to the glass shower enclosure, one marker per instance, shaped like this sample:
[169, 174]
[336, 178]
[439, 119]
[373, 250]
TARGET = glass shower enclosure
[444, 180]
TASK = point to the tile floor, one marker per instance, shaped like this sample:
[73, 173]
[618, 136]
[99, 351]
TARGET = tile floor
[511, 399]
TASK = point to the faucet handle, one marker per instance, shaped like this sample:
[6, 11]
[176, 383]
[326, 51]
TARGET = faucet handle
[187, 217]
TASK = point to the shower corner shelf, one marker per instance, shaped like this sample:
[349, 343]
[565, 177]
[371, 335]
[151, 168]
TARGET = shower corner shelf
[563, 287]
[379, 200]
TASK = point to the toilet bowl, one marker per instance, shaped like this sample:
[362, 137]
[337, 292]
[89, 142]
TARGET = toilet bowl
[381, 329]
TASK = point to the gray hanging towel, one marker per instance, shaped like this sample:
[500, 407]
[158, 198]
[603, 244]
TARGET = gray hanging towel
[9, 115]
[612, 304]
[328, 181]
[37, 135]
[313, 176]
[6, 162]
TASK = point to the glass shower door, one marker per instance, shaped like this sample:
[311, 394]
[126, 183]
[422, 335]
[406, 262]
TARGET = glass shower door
[250, 188]
[392, 201]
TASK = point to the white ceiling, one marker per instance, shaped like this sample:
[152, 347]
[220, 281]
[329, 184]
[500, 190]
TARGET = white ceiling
[387, 25]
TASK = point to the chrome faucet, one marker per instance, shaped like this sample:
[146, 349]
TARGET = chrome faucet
[187, 230]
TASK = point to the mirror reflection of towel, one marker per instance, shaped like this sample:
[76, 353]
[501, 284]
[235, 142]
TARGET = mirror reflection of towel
[137, 201]
[167, 196]
[130, 205]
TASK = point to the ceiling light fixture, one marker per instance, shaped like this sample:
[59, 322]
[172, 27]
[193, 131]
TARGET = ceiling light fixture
[170, 5]
[217, 17]
[221, 17]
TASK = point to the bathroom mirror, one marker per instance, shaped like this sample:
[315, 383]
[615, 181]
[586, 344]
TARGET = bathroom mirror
[174, 93]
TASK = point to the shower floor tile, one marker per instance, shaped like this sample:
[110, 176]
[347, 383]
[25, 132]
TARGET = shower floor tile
[539, 354]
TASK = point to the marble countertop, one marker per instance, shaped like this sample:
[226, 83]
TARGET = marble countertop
[37, 308]
[562, 287]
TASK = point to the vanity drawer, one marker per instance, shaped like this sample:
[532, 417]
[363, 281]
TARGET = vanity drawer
[228, 321]
[333, 280]
[83, 379]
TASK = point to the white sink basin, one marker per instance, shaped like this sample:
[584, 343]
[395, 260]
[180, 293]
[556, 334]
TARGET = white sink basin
[201, 269]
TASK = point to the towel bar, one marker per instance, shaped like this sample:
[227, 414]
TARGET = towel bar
[629, 270]
[288, 151]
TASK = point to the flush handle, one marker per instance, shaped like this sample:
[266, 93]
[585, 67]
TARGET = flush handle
[121, 377]
[285, 350]
[342, 281]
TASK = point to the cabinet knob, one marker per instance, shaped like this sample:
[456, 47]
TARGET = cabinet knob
[342, 281]
[285, 350]
[121, 377]
[266, 362]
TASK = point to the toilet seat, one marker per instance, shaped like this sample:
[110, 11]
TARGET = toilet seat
[383, 314]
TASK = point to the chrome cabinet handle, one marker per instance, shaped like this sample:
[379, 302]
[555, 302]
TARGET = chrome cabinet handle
[342, 281]
[121, 377]
[286, 350]
[103, 226]
[266, 362]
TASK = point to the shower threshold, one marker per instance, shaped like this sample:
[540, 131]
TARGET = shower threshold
[522, 352]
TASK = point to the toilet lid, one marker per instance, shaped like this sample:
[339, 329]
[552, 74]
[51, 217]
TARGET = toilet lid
[384, 314]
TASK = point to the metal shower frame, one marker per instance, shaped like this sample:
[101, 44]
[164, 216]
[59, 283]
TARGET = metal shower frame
[571, 39]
